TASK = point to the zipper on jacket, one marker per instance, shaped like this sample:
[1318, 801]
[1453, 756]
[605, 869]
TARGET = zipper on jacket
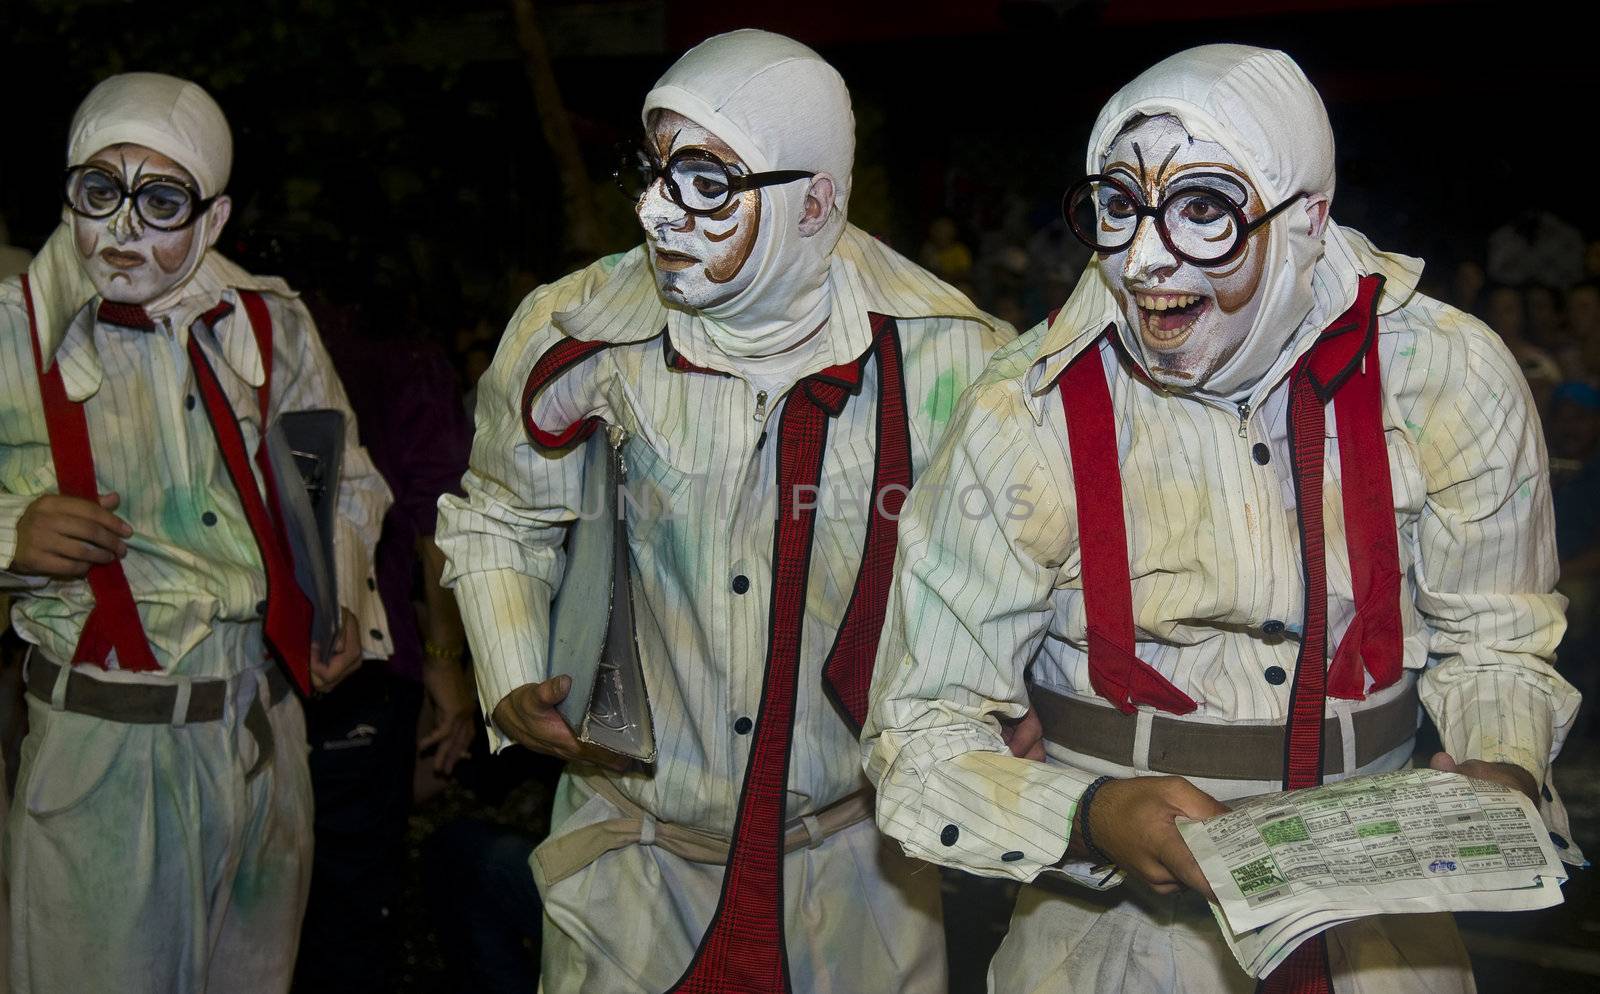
[1244, 420]
[618, 437]
[761, 405]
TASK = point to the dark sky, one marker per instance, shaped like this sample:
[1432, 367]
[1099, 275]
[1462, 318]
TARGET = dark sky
[393, 148]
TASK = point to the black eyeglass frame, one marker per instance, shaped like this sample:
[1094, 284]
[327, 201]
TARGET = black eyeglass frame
[201, 204]
[641, 162]
[1244, 227]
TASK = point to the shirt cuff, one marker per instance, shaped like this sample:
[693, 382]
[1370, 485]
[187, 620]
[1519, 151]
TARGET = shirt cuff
[997, 815]
[1495, 716]
[358, 590]
[12, 507]
[506, 615]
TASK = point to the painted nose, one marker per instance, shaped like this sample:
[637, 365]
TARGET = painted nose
[126, 225]
[1149, 260]
[656, 210]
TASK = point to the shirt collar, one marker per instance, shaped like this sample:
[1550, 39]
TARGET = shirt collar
[78, 355]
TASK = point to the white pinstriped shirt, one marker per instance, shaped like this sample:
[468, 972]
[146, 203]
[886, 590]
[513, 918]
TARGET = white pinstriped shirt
[696, 442]
[1214, 555]
[192, 563]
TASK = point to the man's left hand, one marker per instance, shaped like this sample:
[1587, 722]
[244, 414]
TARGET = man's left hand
[327, 672]
[1508, 774]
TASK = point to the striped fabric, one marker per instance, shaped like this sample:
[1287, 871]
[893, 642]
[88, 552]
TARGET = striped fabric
[703, 483]
[987, 589]
[193, 563]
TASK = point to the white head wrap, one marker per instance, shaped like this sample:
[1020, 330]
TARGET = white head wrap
[779, 106]
[180, 120]
[1257, 104]
[170, 115]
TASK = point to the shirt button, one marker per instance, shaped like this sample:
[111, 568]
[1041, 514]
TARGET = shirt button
[741, 584]
[1273, 627]
[1012, 856]
[743, 725]
[1260, 453]
[188, 402]
[375, 633]
[950, 835]
[261, 607]
[372, 584]
[1275, 675]
[1560, 843]
[208, 519]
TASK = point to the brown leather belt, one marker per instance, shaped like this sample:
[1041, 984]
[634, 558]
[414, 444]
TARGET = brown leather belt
[1218, 751]
[136, 703]
[139, 703]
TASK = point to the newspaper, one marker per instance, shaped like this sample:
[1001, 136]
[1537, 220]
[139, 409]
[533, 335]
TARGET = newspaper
[1287, 866]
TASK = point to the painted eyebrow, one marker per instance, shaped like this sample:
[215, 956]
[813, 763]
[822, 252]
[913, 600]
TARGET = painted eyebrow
[1233, 181]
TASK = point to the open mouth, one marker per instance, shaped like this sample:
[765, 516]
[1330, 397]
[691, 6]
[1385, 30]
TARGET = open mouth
[672, 262]
[1165, 319]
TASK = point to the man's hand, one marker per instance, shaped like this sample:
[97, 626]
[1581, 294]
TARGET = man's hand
[450, 695]
[1133, 824]
[1508, 774]
[330, 671]
[61, 537]
[1025, 736]
[529, 716]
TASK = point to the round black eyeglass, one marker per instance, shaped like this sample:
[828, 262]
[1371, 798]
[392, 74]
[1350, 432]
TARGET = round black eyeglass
[693, 178]
[1197, 224]
[162, 202]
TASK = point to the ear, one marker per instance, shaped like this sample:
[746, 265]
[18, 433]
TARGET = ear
[1317, 211]
[216, 218]
[818, 205]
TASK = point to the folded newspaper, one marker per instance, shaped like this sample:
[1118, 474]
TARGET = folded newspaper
[1287, 866]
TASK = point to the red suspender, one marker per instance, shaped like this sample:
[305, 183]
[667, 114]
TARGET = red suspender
[1344, 363]
[113, 624]
[288, 620]
[1376, 635]
[1115, 672]
[847, 674]
[559, 358]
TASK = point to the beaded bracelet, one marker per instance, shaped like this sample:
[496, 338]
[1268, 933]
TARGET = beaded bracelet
[1083, 815]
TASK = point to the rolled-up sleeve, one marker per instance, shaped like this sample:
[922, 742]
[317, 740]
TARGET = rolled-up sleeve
[981, 541]
[1486, 572]
[503, 536]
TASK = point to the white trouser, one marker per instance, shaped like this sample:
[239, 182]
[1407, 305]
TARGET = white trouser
[142, 858]
[1130, 939]
[860, 916]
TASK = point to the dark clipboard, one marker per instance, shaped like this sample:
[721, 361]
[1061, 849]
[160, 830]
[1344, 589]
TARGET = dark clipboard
[307, 448]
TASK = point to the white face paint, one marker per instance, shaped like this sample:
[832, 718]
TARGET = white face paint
[127, 260]
[1189, 320]
[699, 262]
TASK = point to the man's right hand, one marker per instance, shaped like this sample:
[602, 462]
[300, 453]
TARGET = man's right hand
[529, 716]
[61, 537]
[1133, 825]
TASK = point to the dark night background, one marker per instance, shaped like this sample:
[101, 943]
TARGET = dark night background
[389, 153]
